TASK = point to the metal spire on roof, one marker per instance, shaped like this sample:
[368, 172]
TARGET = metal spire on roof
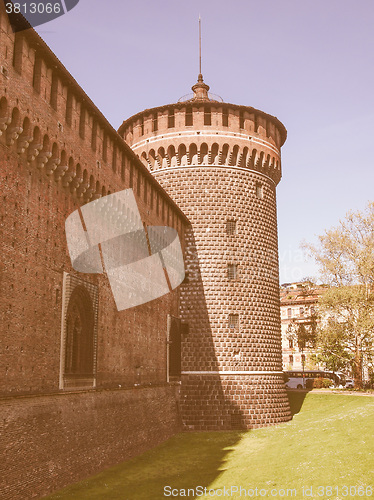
[200, 88]
[199, 45]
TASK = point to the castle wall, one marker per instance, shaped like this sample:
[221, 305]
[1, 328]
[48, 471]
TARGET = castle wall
[50, 441]
[58, 152]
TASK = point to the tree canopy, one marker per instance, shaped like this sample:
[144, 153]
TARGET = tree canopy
[345, 255]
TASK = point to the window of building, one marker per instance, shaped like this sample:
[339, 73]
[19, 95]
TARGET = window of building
[233, 321]
[154, 122]
[78, 368]
[231, 227]
[225, 118]
[232, 271]
[189, 116]
[301, 311]
[291, 359]
[290, 343]
[303, 358]
[171, 118]
[259, 190]
[141, 125]
[289, 312]
[241, 119]
[207, 116]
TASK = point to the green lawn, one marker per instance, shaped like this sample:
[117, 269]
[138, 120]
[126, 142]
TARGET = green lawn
[329, 442]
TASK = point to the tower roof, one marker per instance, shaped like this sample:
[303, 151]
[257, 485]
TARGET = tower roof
[200, 93]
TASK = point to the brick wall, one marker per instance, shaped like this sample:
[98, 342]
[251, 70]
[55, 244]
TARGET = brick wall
[49, 441]
[58, 152]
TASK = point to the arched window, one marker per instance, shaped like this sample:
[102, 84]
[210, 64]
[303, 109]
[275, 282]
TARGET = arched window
[80, 338]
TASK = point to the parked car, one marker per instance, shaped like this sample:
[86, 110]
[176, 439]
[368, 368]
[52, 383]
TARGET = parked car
[349, 383]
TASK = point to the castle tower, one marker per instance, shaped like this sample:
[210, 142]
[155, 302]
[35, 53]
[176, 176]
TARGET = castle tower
[221, 164]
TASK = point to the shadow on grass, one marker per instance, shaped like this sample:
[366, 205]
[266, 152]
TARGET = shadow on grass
[185, 461]
[296, 399]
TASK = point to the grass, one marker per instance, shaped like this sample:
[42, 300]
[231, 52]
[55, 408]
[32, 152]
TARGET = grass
[329, 442]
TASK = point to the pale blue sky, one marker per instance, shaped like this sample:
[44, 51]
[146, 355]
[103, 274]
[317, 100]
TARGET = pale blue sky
[308, 62]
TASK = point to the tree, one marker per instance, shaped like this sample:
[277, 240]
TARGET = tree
[303, 333]
[345, 255]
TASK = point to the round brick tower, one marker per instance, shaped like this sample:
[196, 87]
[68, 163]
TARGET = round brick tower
[221, 163]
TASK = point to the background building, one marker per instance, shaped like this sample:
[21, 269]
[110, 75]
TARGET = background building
[299, 306]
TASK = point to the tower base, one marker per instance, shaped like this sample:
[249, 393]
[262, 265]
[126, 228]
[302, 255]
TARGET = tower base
[216, 401]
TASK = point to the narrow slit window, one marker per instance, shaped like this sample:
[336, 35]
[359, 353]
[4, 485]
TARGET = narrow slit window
[231, 227]
[232, 271]
[241, 119]
[259, 190]
[233, 321]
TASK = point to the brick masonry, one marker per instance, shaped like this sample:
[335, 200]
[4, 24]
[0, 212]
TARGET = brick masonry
[58, 152]
[224, 166]
[50, 441]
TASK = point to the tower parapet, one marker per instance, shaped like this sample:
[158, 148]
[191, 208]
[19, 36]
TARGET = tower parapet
[207, 133]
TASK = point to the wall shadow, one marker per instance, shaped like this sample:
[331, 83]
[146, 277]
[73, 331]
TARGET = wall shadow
[186, 461]
[296, 399]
